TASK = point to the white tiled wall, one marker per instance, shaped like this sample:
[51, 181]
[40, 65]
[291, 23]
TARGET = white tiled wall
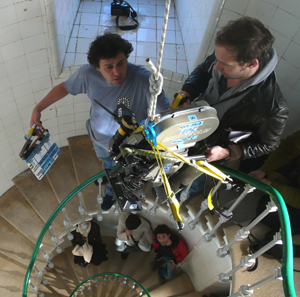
[61, 15]
[193, 17]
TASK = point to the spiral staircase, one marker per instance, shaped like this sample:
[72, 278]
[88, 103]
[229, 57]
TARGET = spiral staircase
[26, 207]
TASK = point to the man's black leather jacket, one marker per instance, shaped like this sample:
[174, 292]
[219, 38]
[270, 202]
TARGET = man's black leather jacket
[263, 111]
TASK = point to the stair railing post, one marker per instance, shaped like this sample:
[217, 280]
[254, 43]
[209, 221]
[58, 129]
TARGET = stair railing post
[247, 290]
[194, 222]
[115, 281]
[245, 231]
[227, 214]
[67, 224]
[40, 275]
[55, 240]
[82, 211]
[155, 207]
[99, 200]
[249, 260]
[124, 283]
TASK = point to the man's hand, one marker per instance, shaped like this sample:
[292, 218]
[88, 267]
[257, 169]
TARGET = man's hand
[173, 266]
[183, 94]
[267, 181]
[216, 153]
[257, 174]
[128, 232]
[35, 118]
[155, 256]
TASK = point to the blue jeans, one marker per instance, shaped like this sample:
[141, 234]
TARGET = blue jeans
[103, 155]
[165, 272]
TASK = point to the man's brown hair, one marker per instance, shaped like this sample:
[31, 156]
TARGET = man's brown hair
[249, 38]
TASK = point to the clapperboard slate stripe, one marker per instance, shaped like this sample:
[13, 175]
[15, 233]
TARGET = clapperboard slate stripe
[43, 156]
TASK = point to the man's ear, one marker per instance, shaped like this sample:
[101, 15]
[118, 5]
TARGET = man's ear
[253, 63]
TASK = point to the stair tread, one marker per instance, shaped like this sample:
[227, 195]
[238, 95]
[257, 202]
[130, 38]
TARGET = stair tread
[266, 266]
[64, 182]
[213, 220]
[64, 266]
[86, 164]
[194, 294]
[45, 204]
[178, 285]
[13, 200]
[11, 240]
[12, 286]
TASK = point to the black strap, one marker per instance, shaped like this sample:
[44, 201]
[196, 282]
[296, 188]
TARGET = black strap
[135, 242]
[132, 15]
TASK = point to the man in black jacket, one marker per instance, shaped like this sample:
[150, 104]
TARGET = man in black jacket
[238, 80]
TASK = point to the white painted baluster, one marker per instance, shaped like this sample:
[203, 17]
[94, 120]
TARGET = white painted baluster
[194, 222]
[248, 261]
[81, 209]
[88, 285]
[67, 224]
[45, 255]
[155, 207]
[227, 214]
[247, 290]
[245, 231]
[116, 211]
[105, 280]
[132, 288]
[115, 281]
[124, 283]
[40, 275]
[34, 288]
[99, 201]
[184, 194]
[55, 240]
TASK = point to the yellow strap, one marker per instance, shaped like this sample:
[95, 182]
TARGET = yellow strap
[202, 166]
[209, 198]
[176, 101]
[173, 202]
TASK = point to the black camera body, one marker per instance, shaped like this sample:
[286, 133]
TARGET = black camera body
[120, 8]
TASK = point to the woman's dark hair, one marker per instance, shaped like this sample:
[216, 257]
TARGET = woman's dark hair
[162, 229]
[108, 46]
[249, 38]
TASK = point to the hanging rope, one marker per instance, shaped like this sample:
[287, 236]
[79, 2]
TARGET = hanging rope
[156, 79]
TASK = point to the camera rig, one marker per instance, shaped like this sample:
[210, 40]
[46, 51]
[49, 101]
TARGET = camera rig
[166, 151]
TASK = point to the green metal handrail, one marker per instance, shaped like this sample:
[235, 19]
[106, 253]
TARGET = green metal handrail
[287, 265]
[48, 223]
[287, 253]
[109, 273]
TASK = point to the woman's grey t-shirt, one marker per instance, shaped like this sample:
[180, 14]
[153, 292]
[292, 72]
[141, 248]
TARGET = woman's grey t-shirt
[134, 91]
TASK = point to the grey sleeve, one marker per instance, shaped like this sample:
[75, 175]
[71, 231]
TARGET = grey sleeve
[76, 83]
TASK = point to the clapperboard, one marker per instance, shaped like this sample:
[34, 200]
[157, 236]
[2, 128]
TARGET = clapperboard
[39, 153]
